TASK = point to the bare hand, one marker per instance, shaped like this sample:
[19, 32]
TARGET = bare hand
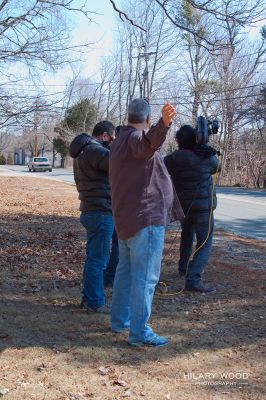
[168, 113]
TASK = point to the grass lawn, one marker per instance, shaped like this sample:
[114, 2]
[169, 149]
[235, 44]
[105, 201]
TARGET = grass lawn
[52, 350]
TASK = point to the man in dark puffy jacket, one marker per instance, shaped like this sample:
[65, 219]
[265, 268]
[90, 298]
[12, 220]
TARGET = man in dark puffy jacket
[91, 167]
[191, 168]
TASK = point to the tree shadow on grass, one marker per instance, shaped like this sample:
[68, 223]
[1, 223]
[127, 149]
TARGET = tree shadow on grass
[32, 323]
[41, 260]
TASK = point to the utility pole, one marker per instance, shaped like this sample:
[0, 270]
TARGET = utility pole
[36, 123]
[145, 93]
[145, 74]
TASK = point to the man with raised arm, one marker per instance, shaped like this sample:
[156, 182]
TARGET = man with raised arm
[143, 203]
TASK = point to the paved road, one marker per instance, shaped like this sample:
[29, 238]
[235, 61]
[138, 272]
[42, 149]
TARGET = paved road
[239, 210]
[242, 211]
[62, 174]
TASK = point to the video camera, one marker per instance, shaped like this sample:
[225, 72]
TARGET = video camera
[205, 128]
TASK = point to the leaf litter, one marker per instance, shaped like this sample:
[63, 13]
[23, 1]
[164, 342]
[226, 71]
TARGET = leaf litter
[51, 349]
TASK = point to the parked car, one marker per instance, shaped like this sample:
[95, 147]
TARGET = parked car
[39, 164]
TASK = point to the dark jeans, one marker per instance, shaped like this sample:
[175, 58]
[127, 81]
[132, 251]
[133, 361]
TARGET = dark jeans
[99, 227]
[109, 273]
[195, 225]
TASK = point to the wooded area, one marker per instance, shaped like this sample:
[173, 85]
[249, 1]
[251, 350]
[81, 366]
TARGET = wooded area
[200, 55]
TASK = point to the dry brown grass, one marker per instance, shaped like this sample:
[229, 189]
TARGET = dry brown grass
[51, 350]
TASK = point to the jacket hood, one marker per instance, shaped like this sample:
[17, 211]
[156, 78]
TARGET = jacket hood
[204, 151]
[78, 143]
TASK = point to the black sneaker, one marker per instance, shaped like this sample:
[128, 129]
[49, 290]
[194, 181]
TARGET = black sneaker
[104, 309]
[201, 288]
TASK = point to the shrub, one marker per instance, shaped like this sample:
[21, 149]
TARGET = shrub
[2, 159]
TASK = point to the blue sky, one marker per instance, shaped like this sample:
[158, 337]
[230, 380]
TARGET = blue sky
[100, 31]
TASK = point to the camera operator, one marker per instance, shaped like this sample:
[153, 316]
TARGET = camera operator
[191, 168]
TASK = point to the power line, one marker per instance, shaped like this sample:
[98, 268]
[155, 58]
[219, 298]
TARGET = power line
[40, 96]
[223, 90]
[53, 108]
[129, 80]
[205, 101]
[174, 101]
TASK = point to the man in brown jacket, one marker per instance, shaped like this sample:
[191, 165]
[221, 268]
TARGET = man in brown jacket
[142, 201]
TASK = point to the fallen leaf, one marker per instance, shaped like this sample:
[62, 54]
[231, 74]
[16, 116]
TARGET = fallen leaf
[104, 370]
[120, 383]
[127, 393]
[3, 391]
[43, 367]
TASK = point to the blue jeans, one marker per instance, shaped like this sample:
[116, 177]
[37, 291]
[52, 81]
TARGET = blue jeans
[195, 225]
[109, 273]
[137, 274]
[99, 227]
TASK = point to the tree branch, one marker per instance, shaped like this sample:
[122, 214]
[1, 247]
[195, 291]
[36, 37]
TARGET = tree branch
[124, 15]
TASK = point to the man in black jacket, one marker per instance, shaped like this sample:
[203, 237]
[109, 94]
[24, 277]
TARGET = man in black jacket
[191, 168]
[91, 168]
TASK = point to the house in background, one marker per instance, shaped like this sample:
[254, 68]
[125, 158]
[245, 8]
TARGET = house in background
[22, 157]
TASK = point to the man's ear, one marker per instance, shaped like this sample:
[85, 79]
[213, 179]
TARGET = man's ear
[148, 120]
[105, 136]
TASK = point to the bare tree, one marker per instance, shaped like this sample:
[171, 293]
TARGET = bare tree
[141, 59]
[37, 31]
[233, 11]
[237, 71]
[34, 37]
[6, 139]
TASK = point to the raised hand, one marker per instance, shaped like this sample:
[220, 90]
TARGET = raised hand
[168, 113]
